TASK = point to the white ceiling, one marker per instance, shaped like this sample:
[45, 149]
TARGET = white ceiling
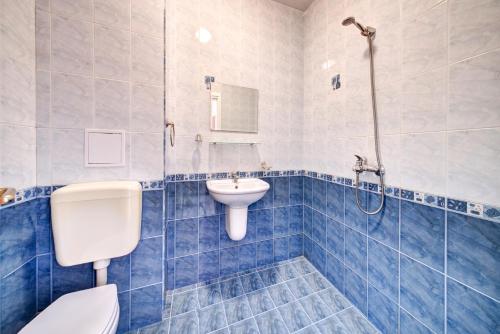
[298, 4]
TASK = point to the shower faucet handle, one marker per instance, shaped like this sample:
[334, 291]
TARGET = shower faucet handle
[360, 158]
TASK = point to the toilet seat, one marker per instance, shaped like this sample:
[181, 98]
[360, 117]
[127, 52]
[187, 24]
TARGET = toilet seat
[91, 311]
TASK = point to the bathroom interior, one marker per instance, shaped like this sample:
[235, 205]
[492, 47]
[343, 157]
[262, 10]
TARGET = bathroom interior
[249, 166]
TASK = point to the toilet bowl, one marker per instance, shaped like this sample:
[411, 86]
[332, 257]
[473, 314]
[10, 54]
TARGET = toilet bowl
[91, 311]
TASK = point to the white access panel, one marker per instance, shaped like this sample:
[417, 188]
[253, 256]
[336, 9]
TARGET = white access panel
[104, 148]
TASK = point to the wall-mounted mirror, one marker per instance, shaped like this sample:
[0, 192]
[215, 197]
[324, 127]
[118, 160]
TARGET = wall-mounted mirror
[233, 108]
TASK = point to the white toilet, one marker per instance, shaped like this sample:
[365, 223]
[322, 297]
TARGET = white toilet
[91, 222]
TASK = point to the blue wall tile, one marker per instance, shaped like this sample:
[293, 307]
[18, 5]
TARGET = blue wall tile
[70, 279]
[264, 224]
[152, 213]
[308, 244]
[335, 238]
[318, 257]
[308, 226]
[296, 219]
[185, 267]
[209, 233]
[409, 324]
[422, 293]
[208, 266]
[474, 253]
[251, 234]
[382, 312]
[471, 312]
[170, 239]
[266, 201]
[124, 320]
[43, 227]
[295, 245]
[296, 190]
[319, 228]
[224, 240]
[264, 252]
[335, 272]
[229, 261]
[208, 206]
[280, 249]
[18, 298]
[43, 282]
[17, 236]
[355, 251]
[145, 306]
[281, 218]
[319, 195]
[383, 269]
[422, 233]
[353, 216]
[335, 201]
[119, 273]
[281, 191]
[186, 200]
[146, 263]
[170, 274]
[355, 290]
[308, 192]
[384, 226]
[247, 258]
[170, 200]
[186, 237]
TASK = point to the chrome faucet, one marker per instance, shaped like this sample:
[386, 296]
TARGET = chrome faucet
[235, 176]
[362, 165]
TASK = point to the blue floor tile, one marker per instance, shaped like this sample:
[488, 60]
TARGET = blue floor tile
[248, 326]
[231, 288]
[237, 309]
[299, 287]
[260, 301]
[271, 323]
[211, 318]
[315, 307]
[209, 294]
[280, 294]
[186, 323]
[251, 282]
[294, 316]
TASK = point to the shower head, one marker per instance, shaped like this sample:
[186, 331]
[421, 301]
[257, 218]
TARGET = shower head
[365, 31]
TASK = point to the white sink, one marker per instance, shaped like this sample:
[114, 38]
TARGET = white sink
[237, 196]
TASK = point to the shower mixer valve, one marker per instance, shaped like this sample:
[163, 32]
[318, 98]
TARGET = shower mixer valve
[362, 165]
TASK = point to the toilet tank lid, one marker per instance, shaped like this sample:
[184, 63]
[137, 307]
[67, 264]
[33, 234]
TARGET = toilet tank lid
[96, 191]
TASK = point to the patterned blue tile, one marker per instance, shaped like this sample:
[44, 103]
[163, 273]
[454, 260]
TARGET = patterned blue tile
[354, 322]
[335, 201]
[186, 237]
[299, 287]
[334, 299]
[316, 281]
[456, 205]
[281, 218]
[229, 261]
[287, 271]
[383, 269]
[119, 273]
[353, 216]
[208, 206]
[43, 228]
[319, 195]
[209, 295]
[211, 318]
[251, 282]
[186, 200]
[294, 316]
[319, 257]
[281, 191]
[184, 269]
[170, 200]
[237, 309]
[152, 213]
[248, 326]
[296, 190]
[208, 267]
[18, 298]
[296, 221]
[184, 302]
[308, 193]
[315, 308]
[384, 226]
[271, 323]
[17, 236]
[264, 252]
[422, 233]
[355, 290]
[280, 294]
[382, 312]
[70, 279]
[335, 272]
[43, 288]
[186, 323]
[209, 233]
[308, 226]
[270, 276]
[319, 228]
[474, 253]
[335, 238]
[471, 312]
[264, 224]
[280, 249]
[355, 251]
[266, 201]
[247, 256]
[408, 324]
[146, 261]
[124, 320]
[231, 288]
[422, 293]
[260, 301]
[145, 306]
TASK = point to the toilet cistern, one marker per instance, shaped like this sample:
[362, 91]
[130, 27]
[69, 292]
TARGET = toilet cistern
[237, 194]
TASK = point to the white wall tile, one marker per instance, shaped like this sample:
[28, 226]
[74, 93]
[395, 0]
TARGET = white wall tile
[147, 109]
[43, 103]
[111, 53]
[147, 59]
[147, 16]
[112, 13]
[472, 165]
[42, 39]
[78, 9]
[146, 156]
[112, 104]
[43, 156]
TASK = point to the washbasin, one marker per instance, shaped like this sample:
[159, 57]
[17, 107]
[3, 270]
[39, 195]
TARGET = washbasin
[237, 195]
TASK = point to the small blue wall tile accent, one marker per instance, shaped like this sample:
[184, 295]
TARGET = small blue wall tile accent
[384, 226]
[422, 293]
[422, 233]
[470, 312]
[382, 311]
[145, 306]
[474, 253]
[383, 269]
